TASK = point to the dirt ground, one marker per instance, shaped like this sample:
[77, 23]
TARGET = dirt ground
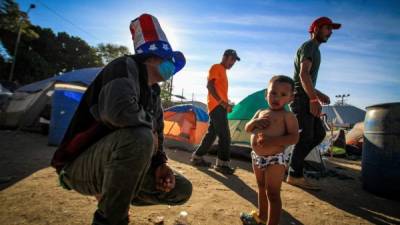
[30, 194]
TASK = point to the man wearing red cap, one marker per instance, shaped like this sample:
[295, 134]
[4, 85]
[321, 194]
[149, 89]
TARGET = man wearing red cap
[308, 100]
[113, 148]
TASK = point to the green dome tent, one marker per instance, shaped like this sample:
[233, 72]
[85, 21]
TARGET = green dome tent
[242, 113]
[246, 108]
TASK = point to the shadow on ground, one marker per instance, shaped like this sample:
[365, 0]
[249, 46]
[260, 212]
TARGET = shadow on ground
[22, 154]
[232, 182]
[349, 196]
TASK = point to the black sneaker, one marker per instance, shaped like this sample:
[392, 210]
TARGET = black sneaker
[200, 162]
[225, 169]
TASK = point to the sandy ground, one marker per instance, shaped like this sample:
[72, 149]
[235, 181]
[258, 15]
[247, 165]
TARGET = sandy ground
[30, 194]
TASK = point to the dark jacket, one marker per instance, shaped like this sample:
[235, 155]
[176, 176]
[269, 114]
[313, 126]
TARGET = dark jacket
[119, 97]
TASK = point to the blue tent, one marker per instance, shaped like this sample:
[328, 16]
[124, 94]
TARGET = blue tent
[184, 126]
[68, 91]
[82, 76]
[201, 115]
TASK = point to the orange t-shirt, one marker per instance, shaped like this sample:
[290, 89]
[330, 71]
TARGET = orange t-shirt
[218, 74]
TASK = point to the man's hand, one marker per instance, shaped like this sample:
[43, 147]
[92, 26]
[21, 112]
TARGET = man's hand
[324, 99]
[315, 108]
[165, 178]
[229, 109]
[226, 106]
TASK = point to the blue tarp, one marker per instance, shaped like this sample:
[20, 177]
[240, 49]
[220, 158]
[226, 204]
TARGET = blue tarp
[201, 115]
[83, 76]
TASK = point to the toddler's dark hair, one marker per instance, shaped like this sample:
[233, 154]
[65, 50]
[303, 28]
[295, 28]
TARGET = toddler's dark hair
[282, 79]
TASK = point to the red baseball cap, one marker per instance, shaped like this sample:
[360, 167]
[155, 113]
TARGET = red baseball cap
[323, 21]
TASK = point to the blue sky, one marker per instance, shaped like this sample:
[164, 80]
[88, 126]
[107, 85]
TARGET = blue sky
[361, 59]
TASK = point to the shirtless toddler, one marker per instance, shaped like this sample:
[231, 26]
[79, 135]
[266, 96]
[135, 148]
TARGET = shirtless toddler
[272, 129]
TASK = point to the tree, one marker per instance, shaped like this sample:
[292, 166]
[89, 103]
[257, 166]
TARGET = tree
[109, 52]
[52, 54]
[41, 52]
[165, 95]
[75, 53]
[11, 20]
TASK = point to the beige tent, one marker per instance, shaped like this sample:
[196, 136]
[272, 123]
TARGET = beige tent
[24, 108]
[355, 135]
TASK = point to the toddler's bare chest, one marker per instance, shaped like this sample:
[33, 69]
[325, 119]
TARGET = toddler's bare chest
[276, 126]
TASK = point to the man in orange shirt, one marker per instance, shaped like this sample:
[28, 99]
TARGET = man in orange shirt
[218, 108]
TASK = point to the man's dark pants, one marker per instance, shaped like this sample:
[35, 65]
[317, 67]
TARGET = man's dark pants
[117, 167]
[218, 126]
[312, 133]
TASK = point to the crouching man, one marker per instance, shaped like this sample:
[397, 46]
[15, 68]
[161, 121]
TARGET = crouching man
[113, 148]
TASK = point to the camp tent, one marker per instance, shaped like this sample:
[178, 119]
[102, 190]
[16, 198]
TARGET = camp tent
[24, 108]
[313, 161]
[355, 139]
[245, 110]
[198, 104]
[356, 135]
[343, 115]
[68, 91]
[29, 102]
[184, 126]
[242, 113]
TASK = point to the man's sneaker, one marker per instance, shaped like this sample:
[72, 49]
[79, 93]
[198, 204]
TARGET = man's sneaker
[301, 182]
[199, 162]
[224, 169]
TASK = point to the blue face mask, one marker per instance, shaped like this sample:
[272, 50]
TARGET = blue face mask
[166, 69]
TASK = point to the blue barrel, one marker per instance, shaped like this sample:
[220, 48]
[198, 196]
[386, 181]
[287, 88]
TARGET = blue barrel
[381, 150]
